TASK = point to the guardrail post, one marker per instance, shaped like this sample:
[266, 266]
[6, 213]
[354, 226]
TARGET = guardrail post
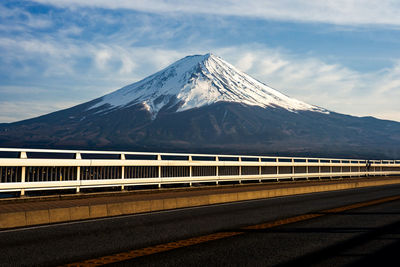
[240, 169]
[190, 168]
[277, 169]
[351, 168]
[123, 172]
[292, 169]
[341, 168]
[371, 169]
[78, 172]
[23, 172]
[319, 169]
[307, 178]
[159, 170]
[217, 170]
[259, 170]
[330, 168]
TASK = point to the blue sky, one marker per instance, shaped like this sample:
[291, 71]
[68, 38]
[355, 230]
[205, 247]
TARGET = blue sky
[342, 55]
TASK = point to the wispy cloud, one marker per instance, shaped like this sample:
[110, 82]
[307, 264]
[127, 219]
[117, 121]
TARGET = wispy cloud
[17, 110]
[19, 19]
[66, 56]
[341, 12]
[332, 86]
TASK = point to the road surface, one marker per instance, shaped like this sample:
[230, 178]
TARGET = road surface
[320, 229]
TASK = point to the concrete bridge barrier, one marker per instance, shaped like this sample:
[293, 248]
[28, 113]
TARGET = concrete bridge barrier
[55, 209]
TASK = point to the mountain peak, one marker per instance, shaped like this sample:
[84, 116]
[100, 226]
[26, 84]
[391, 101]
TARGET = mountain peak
[195, 81]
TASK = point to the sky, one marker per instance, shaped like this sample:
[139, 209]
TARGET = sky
[341, 55]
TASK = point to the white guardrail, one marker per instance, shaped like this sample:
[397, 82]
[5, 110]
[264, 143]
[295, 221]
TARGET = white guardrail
[42, 169]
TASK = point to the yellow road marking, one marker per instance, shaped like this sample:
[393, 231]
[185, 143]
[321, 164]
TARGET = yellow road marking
[206, 238]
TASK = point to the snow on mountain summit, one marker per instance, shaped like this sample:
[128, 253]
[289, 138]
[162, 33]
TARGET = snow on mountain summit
[199, 80]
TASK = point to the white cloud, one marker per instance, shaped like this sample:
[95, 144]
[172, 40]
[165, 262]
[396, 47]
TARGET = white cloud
[341, 12]
[22, 19]
[71, 30]
[331, 86]
[246, 62]
[111, 66]
[18, 110]
[48, 72]
[102, 57]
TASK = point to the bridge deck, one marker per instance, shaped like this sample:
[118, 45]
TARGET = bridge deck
[70, 200]
[21, 212]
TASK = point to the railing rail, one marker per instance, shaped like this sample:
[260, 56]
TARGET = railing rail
[45, 169]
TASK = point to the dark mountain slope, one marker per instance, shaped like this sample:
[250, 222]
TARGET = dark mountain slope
[221, 127]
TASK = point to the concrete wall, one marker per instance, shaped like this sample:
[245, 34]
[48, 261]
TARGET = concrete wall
[56, 215]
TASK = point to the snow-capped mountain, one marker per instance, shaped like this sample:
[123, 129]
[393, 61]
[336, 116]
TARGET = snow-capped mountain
[202, 104]
[196, 81]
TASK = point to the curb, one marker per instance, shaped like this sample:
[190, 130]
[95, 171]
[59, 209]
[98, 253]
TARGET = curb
[94, 211]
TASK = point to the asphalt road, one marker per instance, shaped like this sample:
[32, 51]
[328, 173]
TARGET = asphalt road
[368, 235]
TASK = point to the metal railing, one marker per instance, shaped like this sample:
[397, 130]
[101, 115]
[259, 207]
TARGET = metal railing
[41, 169]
